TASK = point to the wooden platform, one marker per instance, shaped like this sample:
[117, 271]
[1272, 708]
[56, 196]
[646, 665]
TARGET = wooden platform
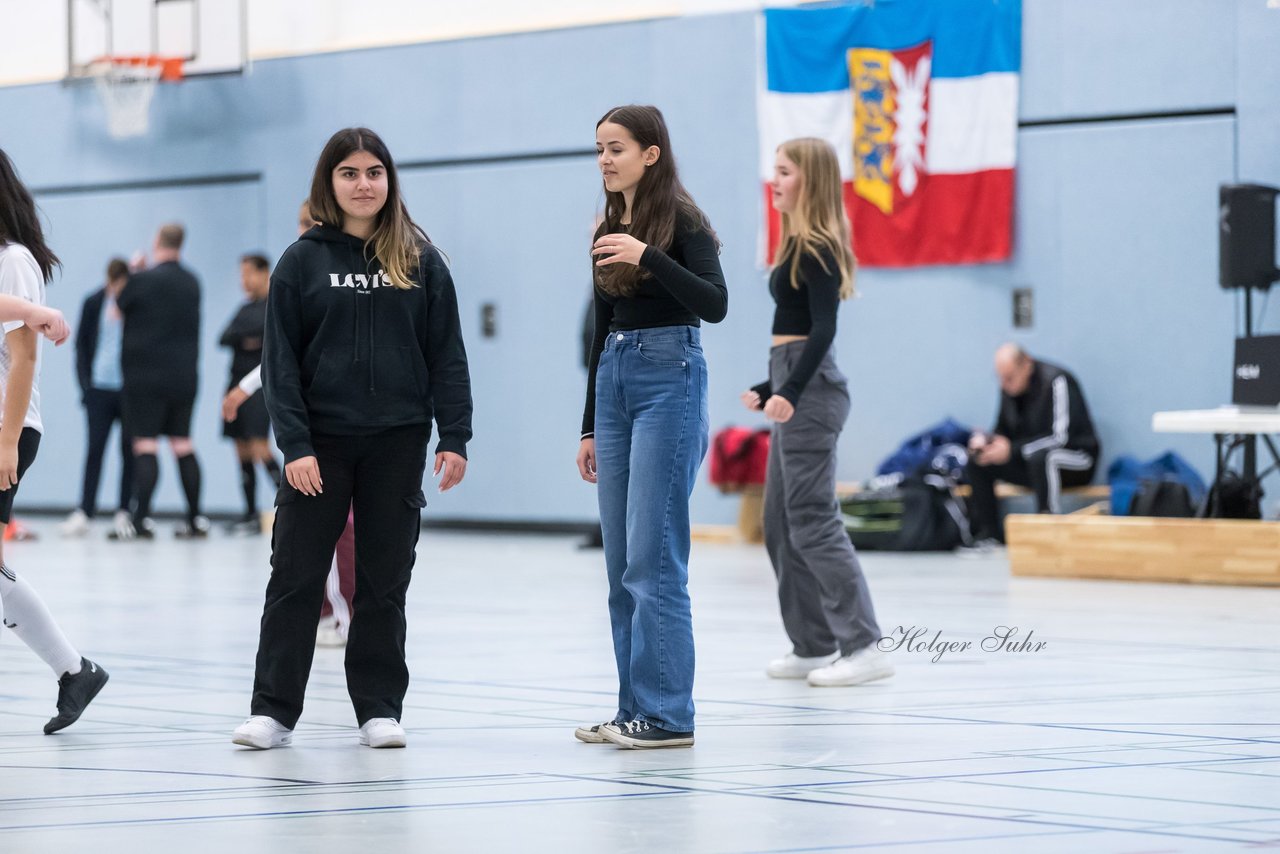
[1201, 551]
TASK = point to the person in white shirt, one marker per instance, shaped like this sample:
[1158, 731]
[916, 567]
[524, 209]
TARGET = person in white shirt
[26, 265]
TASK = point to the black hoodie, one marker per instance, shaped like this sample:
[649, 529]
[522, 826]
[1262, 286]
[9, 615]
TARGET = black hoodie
[347, 352]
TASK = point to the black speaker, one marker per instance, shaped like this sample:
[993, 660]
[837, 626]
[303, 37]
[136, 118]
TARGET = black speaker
[1247, 236]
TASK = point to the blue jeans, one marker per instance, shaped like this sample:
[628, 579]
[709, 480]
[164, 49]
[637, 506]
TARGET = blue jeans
[651, 436]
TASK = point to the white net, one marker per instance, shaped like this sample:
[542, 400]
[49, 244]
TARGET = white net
[126, 88]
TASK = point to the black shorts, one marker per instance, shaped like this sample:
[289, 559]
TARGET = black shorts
[147, 416]
[28, 444]
[252, 421]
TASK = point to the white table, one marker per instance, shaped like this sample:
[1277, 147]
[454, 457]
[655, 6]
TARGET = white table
[1225, 423]
[1224, 419]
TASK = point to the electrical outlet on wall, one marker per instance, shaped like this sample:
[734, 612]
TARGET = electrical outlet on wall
[1022, 308]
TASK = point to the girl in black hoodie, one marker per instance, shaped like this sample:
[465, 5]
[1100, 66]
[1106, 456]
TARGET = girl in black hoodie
[363, 349]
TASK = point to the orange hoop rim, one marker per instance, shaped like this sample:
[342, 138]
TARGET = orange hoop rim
[170, 66]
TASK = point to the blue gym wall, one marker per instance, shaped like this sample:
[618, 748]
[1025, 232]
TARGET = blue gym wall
[1116, 224]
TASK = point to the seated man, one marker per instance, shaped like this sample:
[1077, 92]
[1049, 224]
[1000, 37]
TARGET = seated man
[1043, 439]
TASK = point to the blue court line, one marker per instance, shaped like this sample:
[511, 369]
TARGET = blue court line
[296, 788]
[159, 772]
[1110, 796]
[916, 811]
[367, 791]
[328, 812]
[977, 777]
[1106, 698]
[878, 845]
[934, 720]
[949, 719]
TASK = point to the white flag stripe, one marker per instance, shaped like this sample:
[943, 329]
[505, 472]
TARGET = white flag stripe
[787, 115]
[972, 123]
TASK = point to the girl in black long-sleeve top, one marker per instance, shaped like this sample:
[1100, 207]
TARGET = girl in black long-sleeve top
[644, 427]
[823, 595]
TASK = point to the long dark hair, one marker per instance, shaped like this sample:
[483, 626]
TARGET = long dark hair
[661, 203]
[18, 220]
[397, 240]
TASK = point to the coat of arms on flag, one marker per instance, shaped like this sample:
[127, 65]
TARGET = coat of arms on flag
[919, 99]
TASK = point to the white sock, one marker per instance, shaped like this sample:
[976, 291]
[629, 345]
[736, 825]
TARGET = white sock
[25, 613]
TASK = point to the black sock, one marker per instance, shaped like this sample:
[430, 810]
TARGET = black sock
[189, 471]
[249, 482]
[273, 470]
[146, 471]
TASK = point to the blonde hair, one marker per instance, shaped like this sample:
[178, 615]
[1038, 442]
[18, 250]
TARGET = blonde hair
[819, 220]
[397, 241]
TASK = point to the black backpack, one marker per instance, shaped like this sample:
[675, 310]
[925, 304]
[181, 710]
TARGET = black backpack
[917, 515]
[1165, 498]
[1231, 497]
[932, 520]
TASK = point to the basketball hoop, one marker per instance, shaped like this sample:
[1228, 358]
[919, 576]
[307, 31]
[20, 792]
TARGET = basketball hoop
[126, 85]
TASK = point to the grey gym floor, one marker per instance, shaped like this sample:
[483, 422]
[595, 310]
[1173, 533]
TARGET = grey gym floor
[1148, 722]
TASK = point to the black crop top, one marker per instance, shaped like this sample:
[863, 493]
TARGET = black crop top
[807, 310]
[685, 287]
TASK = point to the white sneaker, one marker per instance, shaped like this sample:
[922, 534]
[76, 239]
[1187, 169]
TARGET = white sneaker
[262, 733]
[792, 666]
[76, 525]
[866, 665]
[988, 547]
[382, 732]
[330, 634]
[122, 526]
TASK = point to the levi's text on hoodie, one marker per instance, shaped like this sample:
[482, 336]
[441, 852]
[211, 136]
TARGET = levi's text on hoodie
[348, 353]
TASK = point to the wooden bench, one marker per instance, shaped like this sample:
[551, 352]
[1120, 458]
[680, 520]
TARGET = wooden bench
[1095, 491]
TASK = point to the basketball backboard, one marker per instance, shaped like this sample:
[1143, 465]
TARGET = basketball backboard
[210, 35]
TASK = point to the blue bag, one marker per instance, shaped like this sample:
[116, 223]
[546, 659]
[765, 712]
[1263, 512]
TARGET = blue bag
[1126, 475]
[919, 451]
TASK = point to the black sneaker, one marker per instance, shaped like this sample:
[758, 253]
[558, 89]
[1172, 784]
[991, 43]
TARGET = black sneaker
[640, 734]
[591, 734]
[75, 692]
[196, 529]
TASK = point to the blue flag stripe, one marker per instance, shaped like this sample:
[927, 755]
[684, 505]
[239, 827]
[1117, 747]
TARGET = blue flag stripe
[805, 48]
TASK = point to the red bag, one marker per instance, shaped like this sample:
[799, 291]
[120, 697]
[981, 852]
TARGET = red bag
[739, 458]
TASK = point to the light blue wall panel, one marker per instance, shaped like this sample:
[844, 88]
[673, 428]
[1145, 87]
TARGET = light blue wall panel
[517, 236]
[1103, 57]
[1114, 221]
[1258, 88]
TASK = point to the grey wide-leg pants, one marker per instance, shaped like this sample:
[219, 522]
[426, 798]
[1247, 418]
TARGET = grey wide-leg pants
[826, 606]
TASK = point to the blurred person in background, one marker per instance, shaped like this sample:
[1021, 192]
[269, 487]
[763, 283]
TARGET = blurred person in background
[98, 340]
[251, 426]
[160, 356]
